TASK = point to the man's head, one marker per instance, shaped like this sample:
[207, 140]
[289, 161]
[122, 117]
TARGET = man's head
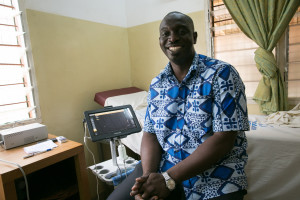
[177, 37]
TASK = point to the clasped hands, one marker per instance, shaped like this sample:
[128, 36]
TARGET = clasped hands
[150, 187]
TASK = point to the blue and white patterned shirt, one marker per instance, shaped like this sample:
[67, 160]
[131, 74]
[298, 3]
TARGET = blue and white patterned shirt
[210, 99]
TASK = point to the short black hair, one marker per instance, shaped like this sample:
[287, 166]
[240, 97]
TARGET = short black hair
[188, 18]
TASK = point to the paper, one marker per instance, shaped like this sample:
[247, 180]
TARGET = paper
[40, 147]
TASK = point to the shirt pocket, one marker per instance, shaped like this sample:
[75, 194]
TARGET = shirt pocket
[199, 112]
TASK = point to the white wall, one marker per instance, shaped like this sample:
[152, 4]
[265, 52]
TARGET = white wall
[144, 11]
[123, 13]
[110, 12]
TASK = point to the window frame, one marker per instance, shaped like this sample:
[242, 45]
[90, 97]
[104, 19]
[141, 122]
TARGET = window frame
[281, 51]
[31, 72]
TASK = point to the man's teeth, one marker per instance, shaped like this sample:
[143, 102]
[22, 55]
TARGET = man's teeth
[174, 48]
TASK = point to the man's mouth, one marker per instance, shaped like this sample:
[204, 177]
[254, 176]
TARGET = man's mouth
[174, 49]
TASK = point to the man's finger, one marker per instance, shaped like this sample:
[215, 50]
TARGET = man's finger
[136, 186]
[138, 197]
[142, 179]
[139, 182]
[133, 193]
[147, 193]
[154, 198]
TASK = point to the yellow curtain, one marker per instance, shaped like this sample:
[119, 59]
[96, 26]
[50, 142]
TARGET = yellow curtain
[264, 21]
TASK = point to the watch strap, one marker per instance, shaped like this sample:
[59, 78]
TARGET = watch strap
[170, 183]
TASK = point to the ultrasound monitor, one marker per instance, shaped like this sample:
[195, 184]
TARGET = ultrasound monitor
[111, 122]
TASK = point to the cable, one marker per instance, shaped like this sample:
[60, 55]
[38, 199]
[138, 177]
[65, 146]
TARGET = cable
[85, 136]
[24, 175]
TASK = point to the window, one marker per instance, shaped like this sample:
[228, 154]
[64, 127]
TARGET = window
[293, 71]
[230, 44]
[18, 102]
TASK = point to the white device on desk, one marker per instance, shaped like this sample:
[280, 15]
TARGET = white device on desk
[112, 123]
[22, 135]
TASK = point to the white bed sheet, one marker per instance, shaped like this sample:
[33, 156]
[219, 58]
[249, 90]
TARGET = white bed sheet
[138, 101]
[273, 166]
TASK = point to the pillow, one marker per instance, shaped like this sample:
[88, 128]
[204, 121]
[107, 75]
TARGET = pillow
[100, 97]
[136, 100]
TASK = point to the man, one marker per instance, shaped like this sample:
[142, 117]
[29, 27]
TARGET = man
[194, 127]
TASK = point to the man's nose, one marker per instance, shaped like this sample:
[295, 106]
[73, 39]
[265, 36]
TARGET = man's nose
[173, 37]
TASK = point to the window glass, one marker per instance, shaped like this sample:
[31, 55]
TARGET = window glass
[294, 56]
[16, 92]
[231, 45]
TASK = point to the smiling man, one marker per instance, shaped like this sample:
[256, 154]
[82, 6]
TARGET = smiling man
[194, 145]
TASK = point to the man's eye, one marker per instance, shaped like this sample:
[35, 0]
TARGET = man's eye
[182, 32]
[164, 34]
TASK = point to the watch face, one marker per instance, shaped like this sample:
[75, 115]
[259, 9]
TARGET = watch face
[171, 184]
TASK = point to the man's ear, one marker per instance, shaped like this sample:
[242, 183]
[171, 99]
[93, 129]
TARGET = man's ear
[195, 35]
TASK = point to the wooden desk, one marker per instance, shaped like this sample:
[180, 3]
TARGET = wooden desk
[67, 151]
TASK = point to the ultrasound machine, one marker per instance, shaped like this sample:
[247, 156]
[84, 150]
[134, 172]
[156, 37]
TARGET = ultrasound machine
[111, 124]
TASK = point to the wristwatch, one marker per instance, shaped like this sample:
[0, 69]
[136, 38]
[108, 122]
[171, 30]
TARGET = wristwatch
[170, 183]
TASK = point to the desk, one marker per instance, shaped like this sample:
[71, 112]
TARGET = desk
[66, 151]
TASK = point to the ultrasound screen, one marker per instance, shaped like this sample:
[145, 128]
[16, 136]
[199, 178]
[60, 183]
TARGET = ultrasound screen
[112, 121]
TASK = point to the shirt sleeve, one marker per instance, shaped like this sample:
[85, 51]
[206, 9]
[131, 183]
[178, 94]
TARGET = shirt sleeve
[229, 101]
[148, 124]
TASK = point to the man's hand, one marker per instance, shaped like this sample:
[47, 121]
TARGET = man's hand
[151, 187]
[138, 184]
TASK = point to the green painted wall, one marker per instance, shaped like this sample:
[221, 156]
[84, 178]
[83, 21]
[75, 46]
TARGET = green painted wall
[73, 60]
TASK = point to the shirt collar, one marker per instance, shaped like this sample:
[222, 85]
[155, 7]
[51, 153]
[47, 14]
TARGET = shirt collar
[168, 72]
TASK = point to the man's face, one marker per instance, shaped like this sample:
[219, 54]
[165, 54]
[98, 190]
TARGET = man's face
[177, 38]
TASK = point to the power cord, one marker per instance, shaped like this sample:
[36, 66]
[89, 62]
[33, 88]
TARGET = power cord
[24, 175]
[84, 139]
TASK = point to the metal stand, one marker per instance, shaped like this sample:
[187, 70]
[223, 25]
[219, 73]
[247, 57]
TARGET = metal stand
[113, 151]
[111, 168]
